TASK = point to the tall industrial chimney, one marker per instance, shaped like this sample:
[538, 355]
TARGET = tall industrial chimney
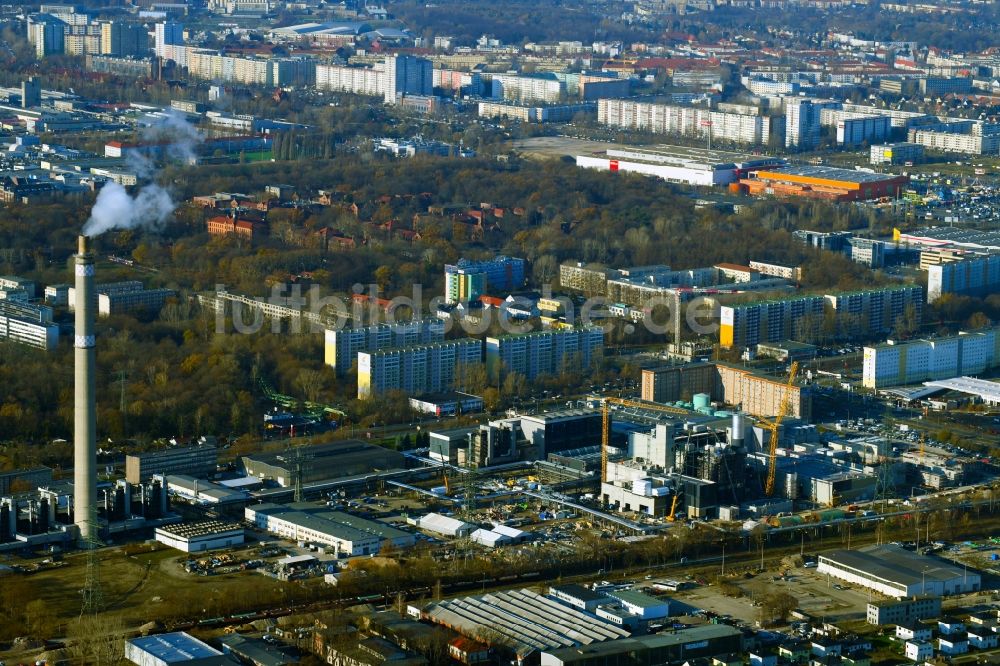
[84, 405]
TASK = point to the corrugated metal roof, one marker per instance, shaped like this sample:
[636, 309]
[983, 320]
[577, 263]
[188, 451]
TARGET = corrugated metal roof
[529, 621]
[174, 648]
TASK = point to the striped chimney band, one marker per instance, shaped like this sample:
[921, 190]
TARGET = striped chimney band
[85, 270]
[83, 341]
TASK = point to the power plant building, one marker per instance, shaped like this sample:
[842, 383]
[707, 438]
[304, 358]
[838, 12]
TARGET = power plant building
[343, 344]
[762, 396]
[9, 282]
[24, 479]
[200, 461]
[323, 462]
[899, 363]
[562, 431]
[678, 382]
[756, 394]
[416, 369]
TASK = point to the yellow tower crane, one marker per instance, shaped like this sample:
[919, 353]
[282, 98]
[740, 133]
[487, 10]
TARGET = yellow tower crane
[786, 402]
[606, 422]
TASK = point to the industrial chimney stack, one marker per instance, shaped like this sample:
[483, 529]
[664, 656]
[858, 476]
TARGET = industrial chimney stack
[85, 405]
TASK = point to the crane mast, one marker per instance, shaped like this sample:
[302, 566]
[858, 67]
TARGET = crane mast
[786, 402]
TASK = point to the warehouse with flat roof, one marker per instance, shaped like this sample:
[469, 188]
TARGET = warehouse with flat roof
[175, 648]
[201, 536]
[822, 182]
[896, 572]
[326, 461]
[349, 535]
[679, 164]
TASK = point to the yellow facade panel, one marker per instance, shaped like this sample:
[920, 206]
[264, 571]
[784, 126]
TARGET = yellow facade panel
[726, 335]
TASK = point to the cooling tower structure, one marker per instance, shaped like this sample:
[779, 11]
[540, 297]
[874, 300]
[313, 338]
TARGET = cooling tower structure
[85, 399]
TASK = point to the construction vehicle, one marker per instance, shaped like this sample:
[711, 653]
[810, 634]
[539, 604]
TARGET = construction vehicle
[773, 426]
[673, 508]
[606, 423]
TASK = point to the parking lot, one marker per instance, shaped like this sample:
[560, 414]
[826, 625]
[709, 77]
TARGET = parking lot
[818, 596]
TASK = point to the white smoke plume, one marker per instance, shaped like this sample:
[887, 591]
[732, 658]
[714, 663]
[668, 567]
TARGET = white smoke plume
[152, 204]
[116, 209]
[180, 136]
